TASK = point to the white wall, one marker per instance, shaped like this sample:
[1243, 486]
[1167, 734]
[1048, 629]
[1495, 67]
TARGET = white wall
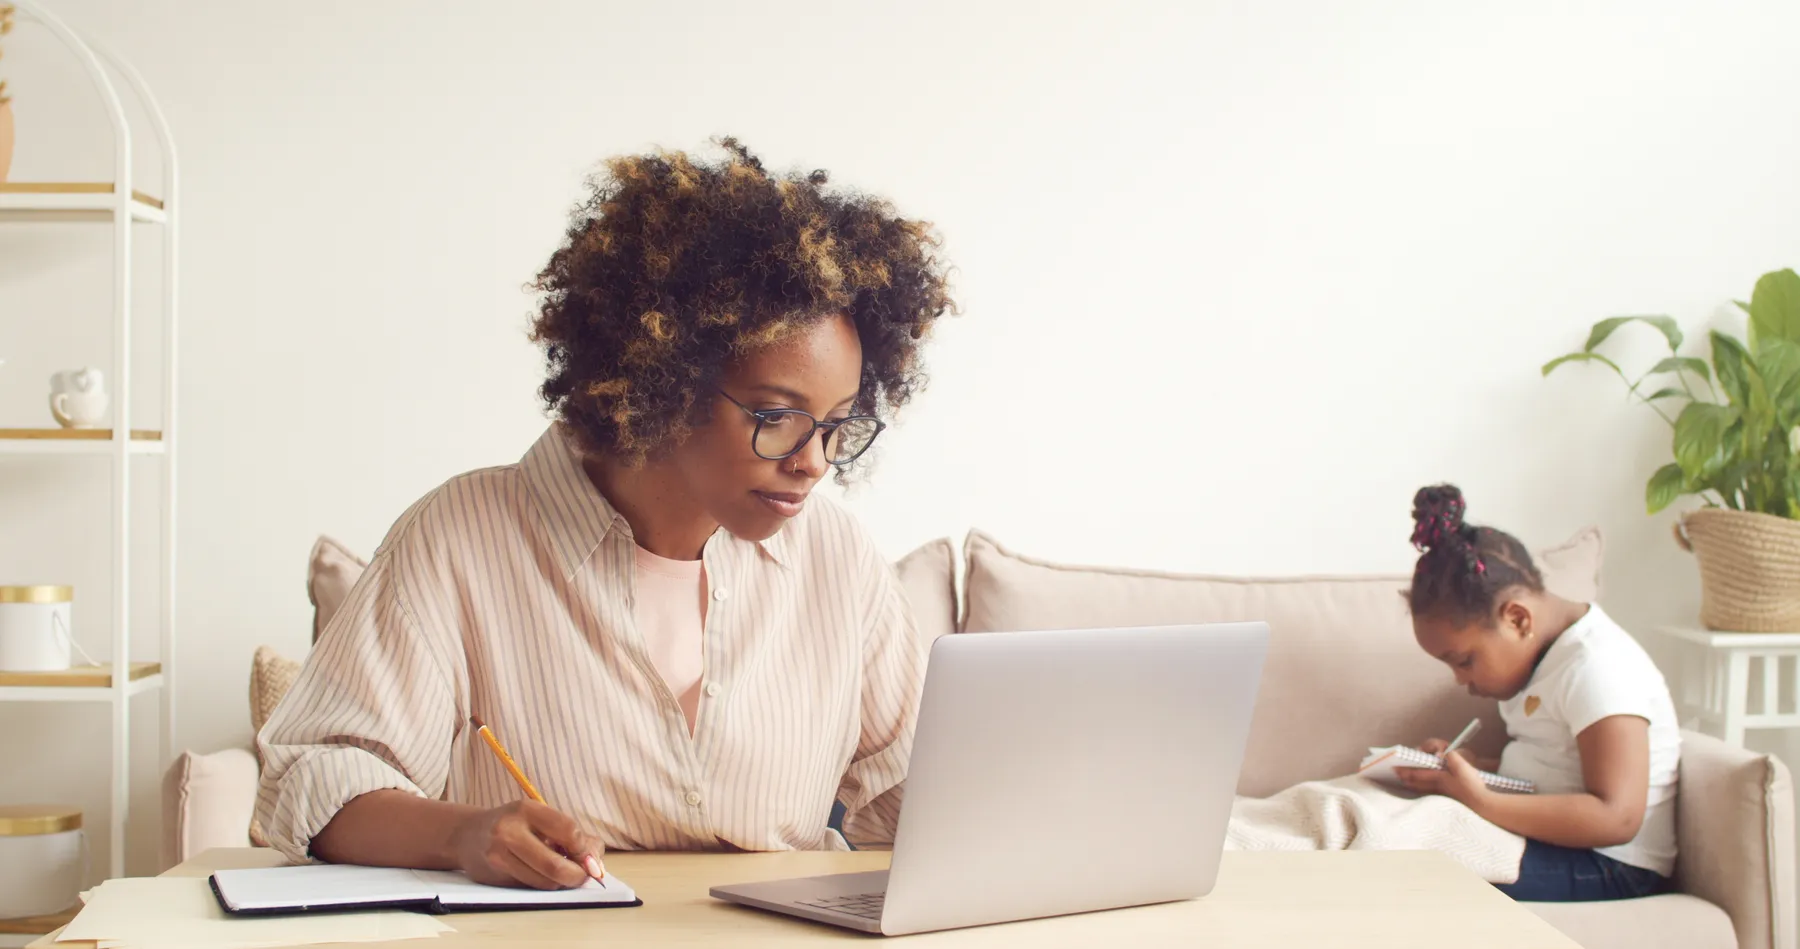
[1238, 277]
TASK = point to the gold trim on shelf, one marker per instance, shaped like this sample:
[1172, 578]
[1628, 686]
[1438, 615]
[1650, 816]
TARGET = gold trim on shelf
[77, 677]
[32, 820]
[39, 593]
[76, 434]
[73, 187]
[38, 925]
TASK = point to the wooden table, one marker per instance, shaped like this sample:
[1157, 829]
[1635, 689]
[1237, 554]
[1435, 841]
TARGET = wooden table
[1389, 900]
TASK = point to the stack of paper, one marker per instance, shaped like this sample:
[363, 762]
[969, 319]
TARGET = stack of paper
[181, 913]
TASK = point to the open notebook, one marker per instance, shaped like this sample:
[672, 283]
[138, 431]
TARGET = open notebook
[337, 888]
[1381, 762]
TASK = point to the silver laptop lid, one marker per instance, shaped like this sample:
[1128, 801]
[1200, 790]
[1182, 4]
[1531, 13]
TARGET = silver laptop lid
[1065, 771]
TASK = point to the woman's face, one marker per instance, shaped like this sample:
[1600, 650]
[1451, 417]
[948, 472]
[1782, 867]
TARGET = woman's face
[817, 370]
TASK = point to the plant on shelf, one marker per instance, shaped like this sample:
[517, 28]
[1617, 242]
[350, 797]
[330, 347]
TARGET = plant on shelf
[1736, 446]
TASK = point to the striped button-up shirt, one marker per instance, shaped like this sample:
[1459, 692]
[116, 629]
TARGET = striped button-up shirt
[507, 593]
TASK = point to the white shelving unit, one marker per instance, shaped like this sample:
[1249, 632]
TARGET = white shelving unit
[1720, 673]
[122, 205]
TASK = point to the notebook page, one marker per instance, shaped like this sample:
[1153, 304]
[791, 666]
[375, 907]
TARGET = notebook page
[320, 885]
[454, 889]
[1381, 762]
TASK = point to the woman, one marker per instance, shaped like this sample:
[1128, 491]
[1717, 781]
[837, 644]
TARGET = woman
[679, 646]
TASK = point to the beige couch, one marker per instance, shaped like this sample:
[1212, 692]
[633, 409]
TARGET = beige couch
[1343, 674]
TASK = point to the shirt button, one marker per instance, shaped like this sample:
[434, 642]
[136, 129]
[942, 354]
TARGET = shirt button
[692, 798]
[712, 688]
[721, 594]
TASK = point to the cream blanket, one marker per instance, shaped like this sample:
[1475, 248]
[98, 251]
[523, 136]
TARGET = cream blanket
[1354, 813]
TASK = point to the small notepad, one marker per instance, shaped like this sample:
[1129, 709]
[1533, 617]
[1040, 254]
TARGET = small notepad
[1381, 762]
[337, 888]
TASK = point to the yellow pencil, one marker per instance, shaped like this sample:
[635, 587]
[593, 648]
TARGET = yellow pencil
[593, 867]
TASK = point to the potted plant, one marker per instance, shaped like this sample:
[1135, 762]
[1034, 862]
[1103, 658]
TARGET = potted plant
[1736, 446]
[6, 116]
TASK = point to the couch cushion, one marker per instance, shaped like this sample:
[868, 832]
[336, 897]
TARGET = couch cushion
[1675, 920]
[208, 802]
[1343, 672]
[1734, 820]
[928, 575]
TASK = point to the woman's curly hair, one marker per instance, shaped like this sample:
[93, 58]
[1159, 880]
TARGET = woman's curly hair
[672, 267]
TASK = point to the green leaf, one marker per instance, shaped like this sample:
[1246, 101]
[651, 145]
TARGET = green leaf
[1583, 357]
[1728, 481]
[1677, 363]
[1665, 394]
[1732, 363]
[1605, 328]
[1664, 487]
[1775, 306]
[1700, 443]
[1778, 363]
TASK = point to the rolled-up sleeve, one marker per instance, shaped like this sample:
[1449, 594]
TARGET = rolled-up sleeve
[893, 675]
[374, 707]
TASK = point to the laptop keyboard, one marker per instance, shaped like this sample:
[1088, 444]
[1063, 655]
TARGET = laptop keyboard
[866, 905]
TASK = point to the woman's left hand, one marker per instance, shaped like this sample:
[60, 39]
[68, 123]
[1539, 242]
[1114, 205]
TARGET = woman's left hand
[1459, 780]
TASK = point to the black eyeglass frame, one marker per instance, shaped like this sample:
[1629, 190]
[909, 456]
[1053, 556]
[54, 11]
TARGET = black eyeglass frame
[769, 416]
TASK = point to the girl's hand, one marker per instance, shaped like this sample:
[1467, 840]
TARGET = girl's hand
[1459, 780]
[1436, 746]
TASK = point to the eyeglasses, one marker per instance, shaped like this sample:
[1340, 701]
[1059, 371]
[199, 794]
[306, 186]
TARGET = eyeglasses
[782, 433]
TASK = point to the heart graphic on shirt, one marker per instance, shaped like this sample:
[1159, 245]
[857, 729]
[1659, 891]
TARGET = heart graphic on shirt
[1531, 704]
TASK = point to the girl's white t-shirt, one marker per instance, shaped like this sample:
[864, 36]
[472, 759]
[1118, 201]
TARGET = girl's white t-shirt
[1595, 670]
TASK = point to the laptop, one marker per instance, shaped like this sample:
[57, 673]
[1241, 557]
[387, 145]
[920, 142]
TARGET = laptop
[1054, 772]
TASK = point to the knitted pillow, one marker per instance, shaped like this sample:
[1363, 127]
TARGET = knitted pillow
[271, 676]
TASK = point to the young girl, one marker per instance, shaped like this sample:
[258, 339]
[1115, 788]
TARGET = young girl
[1587, 713]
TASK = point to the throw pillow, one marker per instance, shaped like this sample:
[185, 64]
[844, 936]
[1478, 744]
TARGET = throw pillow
[928, 578]
[271, 676]
[330, 573]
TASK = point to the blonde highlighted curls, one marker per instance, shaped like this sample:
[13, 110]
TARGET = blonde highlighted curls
[672, 266]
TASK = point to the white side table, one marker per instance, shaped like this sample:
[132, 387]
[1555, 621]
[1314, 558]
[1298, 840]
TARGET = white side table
[1716, 670]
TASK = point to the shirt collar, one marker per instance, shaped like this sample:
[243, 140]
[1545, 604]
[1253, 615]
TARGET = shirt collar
[1558, 652]
[575, 514]
[777, 547]
[577, 517]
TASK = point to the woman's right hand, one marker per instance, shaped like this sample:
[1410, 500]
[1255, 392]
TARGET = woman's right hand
[526, 844]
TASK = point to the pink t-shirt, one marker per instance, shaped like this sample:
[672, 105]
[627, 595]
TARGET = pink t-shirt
[671, 613]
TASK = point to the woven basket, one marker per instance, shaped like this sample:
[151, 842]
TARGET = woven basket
[1749, 569]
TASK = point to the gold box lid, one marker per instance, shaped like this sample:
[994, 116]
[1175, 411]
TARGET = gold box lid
[30, 820]
[37, 593]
